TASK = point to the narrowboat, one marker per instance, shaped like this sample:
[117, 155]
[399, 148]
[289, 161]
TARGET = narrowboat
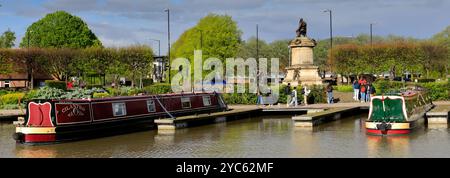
[398, 113]
[52, 121]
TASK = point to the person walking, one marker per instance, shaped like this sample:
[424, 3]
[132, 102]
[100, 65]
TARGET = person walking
[259, 99]
[305, 92]
[362, 82]
[287, 91]
[369, 87]
[356, 90]
[294, 97]
[329, 90]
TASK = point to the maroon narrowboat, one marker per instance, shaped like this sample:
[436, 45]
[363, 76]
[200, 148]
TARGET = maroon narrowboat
[50, 121]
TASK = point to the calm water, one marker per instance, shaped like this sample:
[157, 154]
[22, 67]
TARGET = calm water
[253, 137]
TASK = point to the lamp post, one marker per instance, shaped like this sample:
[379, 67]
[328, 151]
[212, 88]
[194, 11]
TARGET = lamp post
[257, 42]
[168, 37]
[371, 26]
[201, 38]
[159, 46]
[331, 33]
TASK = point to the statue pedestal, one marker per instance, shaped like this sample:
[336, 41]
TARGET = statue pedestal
[302, 70]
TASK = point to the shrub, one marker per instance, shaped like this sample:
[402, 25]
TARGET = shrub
[79, 93]
[147, 82]
[93, 86]
[437, 90]
[30, 95]
[425, 80]
[3, 92]
[49, 93]
[12, 106]
[56, 84]
[385, 86]
[100, 95]
[11, 98]
[344, 88]
[160, 88]
[317, 95]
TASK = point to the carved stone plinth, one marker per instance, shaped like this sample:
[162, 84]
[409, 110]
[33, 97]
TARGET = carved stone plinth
[302, 70]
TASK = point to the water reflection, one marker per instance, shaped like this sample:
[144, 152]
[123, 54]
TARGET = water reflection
[388, 146]
[266, 136]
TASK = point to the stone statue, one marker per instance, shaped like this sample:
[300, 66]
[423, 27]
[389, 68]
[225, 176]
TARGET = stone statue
[301, 31]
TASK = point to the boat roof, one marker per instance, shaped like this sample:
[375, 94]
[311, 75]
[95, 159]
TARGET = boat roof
[132, 97]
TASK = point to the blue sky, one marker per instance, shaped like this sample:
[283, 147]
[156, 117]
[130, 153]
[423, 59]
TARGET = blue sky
[127, 22]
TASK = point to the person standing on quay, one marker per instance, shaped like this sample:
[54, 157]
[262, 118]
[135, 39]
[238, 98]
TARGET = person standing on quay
[329, 90]
[363, 93]
[305, 93]
[356, 90]
[287, 91]
[294, 97]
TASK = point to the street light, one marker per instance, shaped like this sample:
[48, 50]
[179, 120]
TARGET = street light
[371, 25]
[159, 46]
[168, 36]
[257, 42]
[201, 38]
[331, 33]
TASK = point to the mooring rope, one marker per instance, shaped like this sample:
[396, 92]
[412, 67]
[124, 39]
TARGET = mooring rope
[164, 108]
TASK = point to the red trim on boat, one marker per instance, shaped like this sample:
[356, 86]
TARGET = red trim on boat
[39, 138]
[388, 132]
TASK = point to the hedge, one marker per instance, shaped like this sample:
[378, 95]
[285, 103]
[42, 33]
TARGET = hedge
[56, 84]
[344, 88]
[159, 88]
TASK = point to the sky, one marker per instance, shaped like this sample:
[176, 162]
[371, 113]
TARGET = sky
[127, 22]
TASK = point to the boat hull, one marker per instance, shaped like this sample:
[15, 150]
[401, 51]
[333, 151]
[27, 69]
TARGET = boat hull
[60, 121]
[377, 128]
[397, 115]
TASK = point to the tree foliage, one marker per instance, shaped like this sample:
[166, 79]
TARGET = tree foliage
[61, 30]
[7, 39]
[63, 63]
[397, 57]
[217, 36]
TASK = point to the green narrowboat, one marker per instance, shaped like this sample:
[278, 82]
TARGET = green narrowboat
[398, 113]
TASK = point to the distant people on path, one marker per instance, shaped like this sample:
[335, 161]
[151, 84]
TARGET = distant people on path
[363, 91]
[362, 88]
[270, 98]
[259, 100]
[294, 97]
[329, 90]
[287, 91]
[356, 87]
[305, 92]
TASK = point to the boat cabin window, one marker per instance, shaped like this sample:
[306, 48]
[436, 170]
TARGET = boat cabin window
[151, 106]
[186, 102]
[206, 101]
[7, 83]
[119, 109]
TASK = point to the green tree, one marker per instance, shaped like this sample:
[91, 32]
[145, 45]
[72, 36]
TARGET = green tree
[7, 39]
[217, 35]
[61, 30]
[443, 39]
[279, 49]
[137, 61]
